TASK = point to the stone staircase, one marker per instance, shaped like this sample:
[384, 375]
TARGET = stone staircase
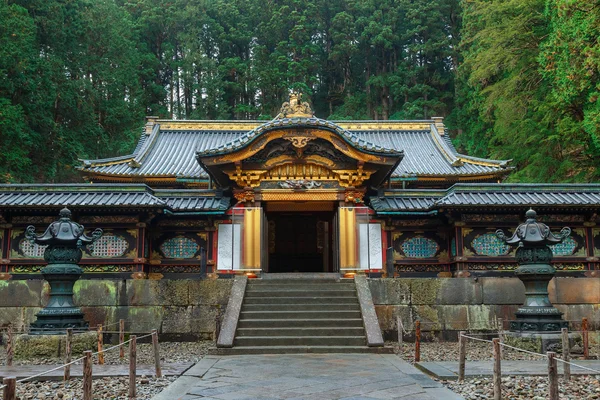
[300, 316]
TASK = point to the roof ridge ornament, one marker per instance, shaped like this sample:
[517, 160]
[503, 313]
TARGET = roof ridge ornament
[295, 108]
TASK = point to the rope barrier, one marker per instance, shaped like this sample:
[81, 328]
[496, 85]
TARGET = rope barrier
[79, 359]
[477, 339]
[50, 370]
[533, 353]
[119, 345]
[577, 365]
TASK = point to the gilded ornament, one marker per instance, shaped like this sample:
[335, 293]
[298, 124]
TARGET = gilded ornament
[295, 108]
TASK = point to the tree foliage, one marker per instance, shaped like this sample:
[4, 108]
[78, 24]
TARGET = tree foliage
[515, 78]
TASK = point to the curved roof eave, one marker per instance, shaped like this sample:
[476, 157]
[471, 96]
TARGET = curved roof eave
[312, 122]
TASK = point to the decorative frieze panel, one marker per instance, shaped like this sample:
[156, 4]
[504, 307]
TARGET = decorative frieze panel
[479, 242]
[566, 248]
[179, 246]
[31, 250]
[421, 267]
[420, 245]
[115, 243]
[108, 246]
[88, 269]
[488, 244]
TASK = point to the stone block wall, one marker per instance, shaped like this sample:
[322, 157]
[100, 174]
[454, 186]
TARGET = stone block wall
[186, 309]
[448, 305]
[179, 309]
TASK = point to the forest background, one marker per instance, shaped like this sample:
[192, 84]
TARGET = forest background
[514, 79]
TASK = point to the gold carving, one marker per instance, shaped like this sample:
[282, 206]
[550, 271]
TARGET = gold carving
[295, 108]
[246, 195]
[354, 196]
[267, 137]
[291, 195]
[172, 125]
[299, 141]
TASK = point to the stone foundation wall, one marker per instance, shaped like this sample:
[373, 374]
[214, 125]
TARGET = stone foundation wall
[186, 309]
[179, 309]
[448, 305]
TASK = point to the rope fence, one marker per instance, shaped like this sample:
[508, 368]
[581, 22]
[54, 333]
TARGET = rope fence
[9, 384]
[500, 333]
[497, 370]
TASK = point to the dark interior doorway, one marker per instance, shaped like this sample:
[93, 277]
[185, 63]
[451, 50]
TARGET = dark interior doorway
[300, 241]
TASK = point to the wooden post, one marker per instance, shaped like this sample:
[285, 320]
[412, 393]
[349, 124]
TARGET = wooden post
[68, 342]
[121, 338]
[156, 353]
[497, 379]
[87, 375]
[400, 329]
[132, 365]
[217, 323]
[10, 350]
[501, 330]
[552, 376]
[585, 338]
[462, 355]
[11, 388]
[566, 354]
[100, 344]
[417, 341]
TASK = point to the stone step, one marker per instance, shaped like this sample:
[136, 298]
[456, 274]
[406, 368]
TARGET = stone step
[301, 307]
[337, 314]
[303, 300]
[300, 323]
[300, 341]
[301, 286]
[313, 331]
[300, 293]
[240, 350]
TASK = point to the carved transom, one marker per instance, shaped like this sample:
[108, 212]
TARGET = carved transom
[299, 141]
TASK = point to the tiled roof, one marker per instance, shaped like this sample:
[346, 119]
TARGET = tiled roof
[172, 153]
[464, 195]
[248, 137]
[194, 200]
[110, 195]
[406, 200]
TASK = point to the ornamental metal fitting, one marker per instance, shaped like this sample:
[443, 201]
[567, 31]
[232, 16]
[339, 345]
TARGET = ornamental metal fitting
[532, 233]
[63, 232]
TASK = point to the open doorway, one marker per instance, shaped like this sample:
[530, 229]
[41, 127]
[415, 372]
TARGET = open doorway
[300, 241]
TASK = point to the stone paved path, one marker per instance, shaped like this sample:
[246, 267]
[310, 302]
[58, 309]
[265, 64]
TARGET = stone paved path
[306, 377]
[448, 370]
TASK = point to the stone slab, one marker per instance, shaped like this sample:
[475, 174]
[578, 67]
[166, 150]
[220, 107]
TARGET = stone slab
[503, 290]
[448, 370]
[574, 290]
[232, 314]
[21, 293]
[311, 376]
[98, 371]
[369, 316]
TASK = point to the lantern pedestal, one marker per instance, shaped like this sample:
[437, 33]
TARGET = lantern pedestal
[537, 324]
[64, 239]
[60, 313]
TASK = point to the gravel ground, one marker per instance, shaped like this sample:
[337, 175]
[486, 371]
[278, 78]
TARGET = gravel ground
[113, 388]
[106, 388]
[170, 352]
[513, 387]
